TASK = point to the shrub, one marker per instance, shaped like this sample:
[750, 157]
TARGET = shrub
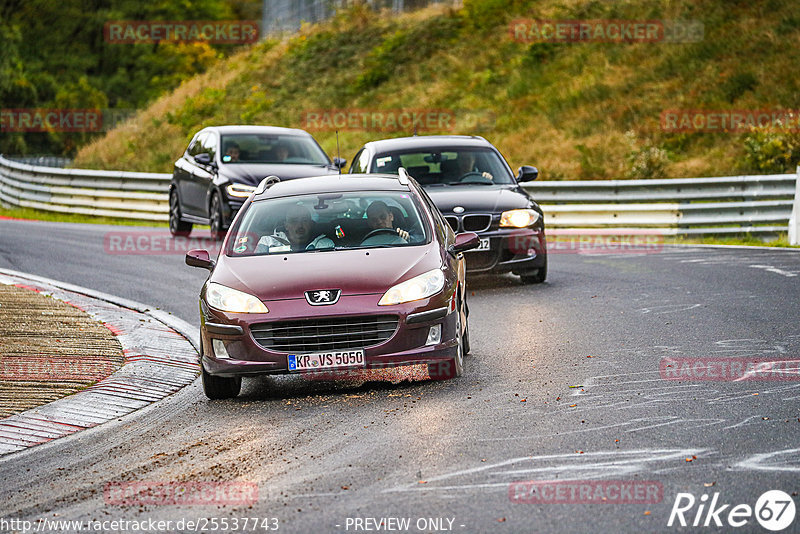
[772, 150]
[647, 161]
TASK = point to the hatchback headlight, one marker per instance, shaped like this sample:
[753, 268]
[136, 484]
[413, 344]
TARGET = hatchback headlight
[519, 218]
[231, 300]
[240, 190]
[419, 287]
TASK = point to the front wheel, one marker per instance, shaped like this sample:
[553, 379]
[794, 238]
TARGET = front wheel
[220, 387]
[447, 369]
[215, 218]
[536, 276]
[177, 227]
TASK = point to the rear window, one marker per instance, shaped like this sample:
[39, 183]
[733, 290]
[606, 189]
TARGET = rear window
[329, 221]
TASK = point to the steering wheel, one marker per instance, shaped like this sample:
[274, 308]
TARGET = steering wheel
[474, 177]
[379, 231]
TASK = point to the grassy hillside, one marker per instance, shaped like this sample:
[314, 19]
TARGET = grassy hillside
[576, 110]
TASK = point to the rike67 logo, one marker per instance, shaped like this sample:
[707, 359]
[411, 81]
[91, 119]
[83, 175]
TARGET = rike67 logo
[774, 510]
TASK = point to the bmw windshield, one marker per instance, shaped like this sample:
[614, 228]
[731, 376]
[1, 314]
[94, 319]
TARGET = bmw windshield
[446, 166]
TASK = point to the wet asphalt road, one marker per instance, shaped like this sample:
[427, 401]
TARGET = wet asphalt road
[563, 383]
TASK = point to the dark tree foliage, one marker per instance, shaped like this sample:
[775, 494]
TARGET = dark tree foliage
[54, 55]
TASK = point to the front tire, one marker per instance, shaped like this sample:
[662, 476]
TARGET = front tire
[220, 387]
[536, 276]
[215, 218]
[177, 227]
[448, 369]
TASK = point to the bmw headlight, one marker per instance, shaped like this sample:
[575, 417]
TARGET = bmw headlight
[419, 287]
[519, 218]
[230, 300]
[240, 190]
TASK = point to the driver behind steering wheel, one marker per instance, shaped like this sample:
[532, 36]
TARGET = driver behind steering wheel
[380, 216]
[466, 165]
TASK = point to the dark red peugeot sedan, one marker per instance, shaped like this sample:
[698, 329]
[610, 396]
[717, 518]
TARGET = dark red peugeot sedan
[334, 273]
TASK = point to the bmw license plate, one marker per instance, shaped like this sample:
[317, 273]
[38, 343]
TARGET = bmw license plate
[483, 246]
[327, 360]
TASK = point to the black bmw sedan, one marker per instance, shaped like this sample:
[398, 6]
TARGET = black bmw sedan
[223, 164]
[476, 191]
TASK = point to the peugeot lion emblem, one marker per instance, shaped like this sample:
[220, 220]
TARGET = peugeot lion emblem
[458, 209]
[322, 297]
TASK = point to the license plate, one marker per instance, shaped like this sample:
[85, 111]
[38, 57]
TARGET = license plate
[483, 246]
[327, 360]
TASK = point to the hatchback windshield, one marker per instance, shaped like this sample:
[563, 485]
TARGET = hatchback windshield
[446, 167]
[266, 148]
[328, 221]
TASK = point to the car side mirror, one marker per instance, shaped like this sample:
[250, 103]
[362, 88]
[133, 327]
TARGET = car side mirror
[526, 173]
[339, 162]
[199, 258]
[465, 241]
[203, 159]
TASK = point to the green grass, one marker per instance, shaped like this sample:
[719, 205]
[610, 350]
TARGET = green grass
[52, 216]
[564, 107]
[745, 239]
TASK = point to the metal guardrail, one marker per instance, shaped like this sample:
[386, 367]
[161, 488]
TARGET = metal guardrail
[689, 206]
[119, 194]
[44, 161]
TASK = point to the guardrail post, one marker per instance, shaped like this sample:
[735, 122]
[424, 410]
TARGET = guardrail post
[794, 220]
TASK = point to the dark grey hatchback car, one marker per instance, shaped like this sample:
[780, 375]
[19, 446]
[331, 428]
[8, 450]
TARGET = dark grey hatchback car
[476, 191]
[223, 164]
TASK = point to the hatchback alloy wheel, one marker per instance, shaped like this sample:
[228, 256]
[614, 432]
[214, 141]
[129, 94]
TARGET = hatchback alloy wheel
[215, 218]
[177, 227]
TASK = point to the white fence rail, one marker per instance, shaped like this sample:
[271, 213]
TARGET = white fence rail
[129, 195]
[690, 206]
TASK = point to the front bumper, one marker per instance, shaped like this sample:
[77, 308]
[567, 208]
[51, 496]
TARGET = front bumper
[510, 250]
[406, 346]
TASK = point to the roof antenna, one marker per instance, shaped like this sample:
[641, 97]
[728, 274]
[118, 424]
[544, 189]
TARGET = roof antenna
[338, 155]
[415, 130]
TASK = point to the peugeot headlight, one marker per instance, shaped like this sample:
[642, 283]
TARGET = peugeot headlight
[240, 190]
[419, 287]
[230, 300]
[519, 218]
